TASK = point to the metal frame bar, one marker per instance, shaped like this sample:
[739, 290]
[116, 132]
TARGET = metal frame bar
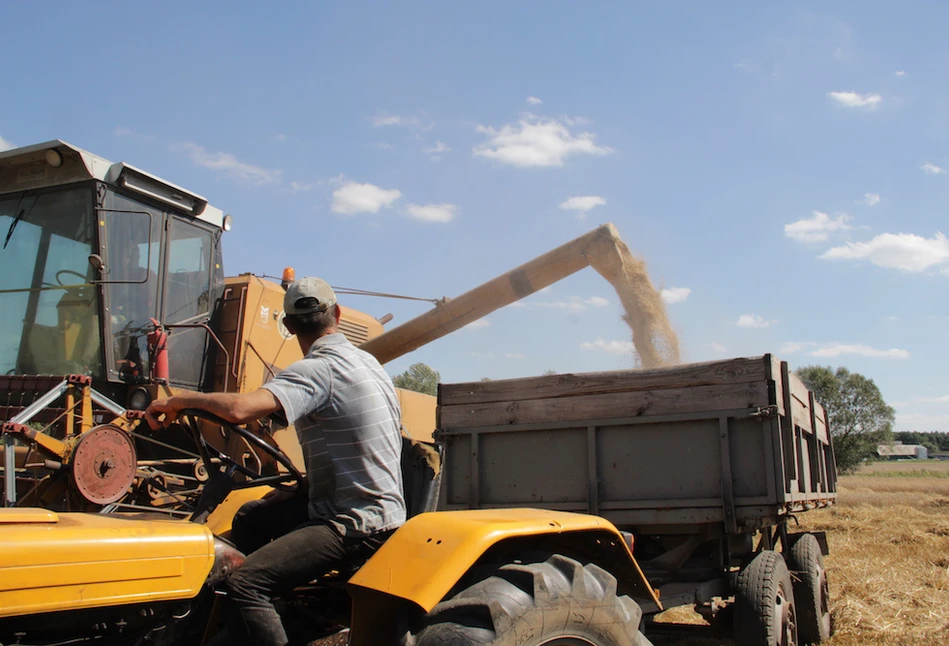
[740, 413]
[9, 443]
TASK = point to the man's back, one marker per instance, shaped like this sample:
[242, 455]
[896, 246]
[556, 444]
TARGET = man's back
[347, 418]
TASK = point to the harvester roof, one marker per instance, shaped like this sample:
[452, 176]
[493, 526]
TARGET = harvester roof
[56, 162]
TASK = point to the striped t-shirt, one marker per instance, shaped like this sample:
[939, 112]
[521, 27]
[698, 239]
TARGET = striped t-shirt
[347, 418]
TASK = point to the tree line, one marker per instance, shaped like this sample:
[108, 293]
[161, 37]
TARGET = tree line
[932, 440]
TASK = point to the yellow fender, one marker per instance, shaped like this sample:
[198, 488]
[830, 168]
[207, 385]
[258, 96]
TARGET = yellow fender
[428, 555]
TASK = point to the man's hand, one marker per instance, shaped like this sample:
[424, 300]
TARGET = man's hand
[237, 408]
[167, 407]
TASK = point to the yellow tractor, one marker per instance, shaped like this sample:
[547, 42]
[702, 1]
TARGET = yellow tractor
[112, 293]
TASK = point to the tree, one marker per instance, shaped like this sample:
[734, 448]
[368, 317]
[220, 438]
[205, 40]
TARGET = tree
[420, 378]
[859, 418]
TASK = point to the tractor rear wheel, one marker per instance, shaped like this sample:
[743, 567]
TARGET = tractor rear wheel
[811, 593]
[557, 602]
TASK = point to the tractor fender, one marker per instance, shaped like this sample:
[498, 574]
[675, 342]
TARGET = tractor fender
[424, 559]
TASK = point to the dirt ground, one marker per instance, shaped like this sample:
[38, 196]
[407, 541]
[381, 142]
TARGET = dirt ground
[888, 565]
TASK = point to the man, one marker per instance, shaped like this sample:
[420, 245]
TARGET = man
[347, 418]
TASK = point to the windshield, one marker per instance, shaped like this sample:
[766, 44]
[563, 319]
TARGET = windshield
[49, 321]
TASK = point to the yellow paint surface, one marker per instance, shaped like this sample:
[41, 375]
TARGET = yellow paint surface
[73, 561]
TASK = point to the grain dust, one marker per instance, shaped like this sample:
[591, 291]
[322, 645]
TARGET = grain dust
[644, 310]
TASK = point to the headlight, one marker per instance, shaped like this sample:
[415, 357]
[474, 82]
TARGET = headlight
[139, 399]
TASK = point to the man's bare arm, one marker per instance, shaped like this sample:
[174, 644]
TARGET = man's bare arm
[237, 408]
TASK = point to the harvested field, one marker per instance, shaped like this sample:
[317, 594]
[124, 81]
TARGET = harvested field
[889, 560]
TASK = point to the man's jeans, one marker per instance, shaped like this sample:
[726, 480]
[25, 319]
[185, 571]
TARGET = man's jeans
[285, 550]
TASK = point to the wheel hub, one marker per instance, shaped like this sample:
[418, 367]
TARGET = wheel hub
[103, 464]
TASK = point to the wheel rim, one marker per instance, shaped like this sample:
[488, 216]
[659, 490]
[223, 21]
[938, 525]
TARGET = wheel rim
[567, 641]
[785, 619]
[824, 602]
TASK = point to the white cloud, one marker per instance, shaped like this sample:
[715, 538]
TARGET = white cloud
[675, 294]
[934, 400]
[903, 251]
[6, 144]
[900, 73]
[478, 324]
[753, 321]
[817, 228]
[932, 169]
[437, 149]
[229, 165]
[301, 186]
[432, 212]
[718, 347]
[856, 100]
[353, 197]
[859, 350]
[533, 100]
[534, 141]
[383, 145]
[793, 347]
[582, 204]
[574, 304]
[279, 137]
[612, 347]
[515, 355]
[122, 131]
[394, 120]
[871, 199]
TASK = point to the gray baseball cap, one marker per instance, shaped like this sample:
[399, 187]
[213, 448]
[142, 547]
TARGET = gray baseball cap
[308, 295]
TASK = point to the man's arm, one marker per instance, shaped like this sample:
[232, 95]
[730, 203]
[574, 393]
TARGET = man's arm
[237, 408]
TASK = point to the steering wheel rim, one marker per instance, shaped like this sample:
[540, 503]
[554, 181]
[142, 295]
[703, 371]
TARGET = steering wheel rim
[71, 273]
[231, 466]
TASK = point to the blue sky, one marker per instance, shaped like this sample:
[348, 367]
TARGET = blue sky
[781, 167]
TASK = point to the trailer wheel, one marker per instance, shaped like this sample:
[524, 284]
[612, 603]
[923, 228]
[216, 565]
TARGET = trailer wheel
[764, 603]
[557, 602]
[811, 593]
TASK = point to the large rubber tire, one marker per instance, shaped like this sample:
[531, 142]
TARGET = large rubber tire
[811, 592]
[764, 603]
[559, 601]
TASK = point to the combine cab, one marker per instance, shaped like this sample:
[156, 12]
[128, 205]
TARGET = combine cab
[112, 293]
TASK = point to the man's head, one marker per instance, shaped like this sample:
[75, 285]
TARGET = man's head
[311, 309]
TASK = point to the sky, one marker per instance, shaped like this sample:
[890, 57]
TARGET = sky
[782, 168]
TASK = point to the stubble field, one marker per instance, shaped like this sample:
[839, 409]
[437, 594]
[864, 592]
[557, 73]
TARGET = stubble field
[889, 559]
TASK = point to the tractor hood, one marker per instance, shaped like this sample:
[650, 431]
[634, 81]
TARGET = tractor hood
[68, 561]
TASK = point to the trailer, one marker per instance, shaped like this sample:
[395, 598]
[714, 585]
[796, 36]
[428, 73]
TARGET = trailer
[705, 465]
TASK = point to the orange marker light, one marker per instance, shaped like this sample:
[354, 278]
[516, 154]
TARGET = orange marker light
[289, 275]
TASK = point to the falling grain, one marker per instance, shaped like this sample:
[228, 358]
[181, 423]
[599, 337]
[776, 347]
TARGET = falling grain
[644, 310]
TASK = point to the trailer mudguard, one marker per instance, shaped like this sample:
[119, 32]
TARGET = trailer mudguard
[66, 561]
[428, 555]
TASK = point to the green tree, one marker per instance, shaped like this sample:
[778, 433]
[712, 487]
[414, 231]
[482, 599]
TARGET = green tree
[419, 377]
[859, 418]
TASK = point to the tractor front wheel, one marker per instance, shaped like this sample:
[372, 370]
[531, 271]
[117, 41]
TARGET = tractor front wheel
[556, 602]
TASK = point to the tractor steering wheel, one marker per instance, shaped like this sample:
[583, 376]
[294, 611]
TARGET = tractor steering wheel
[222, 472]
[71, 273]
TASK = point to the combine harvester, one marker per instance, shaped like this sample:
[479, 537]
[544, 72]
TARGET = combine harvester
[112, 293]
